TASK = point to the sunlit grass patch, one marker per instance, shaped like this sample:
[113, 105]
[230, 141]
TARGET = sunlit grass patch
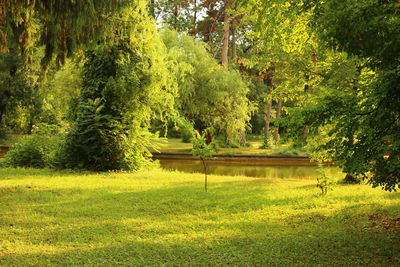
[166, 218]
[254, 145]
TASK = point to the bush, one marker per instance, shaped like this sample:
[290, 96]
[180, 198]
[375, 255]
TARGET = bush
[351, 179]
[324, 182]
[38, 150]
[3, 163]
[3, 132]
[186, 135]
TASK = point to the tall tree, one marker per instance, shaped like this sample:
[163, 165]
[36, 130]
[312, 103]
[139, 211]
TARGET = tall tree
[125, 84]
[211, 96]
[277, 35]
[226, 33]
[365, 111]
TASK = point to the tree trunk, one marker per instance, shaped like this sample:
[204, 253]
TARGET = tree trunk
[243, 140]
[234, 46]
[225, 38]
[195, 14]
[267, 122]
[268, 80]
[205, 174]
[308, 88]
[152, 9]
[306, 131]
[278, 116]
[175, 27]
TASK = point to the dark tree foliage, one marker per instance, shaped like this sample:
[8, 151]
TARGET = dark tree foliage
[60, 25]
[17, 94]
[125, 84]
[366, 116]
[98, 138]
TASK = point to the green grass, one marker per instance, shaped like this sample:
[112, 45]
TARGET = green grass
[254, 144]
[165, 218]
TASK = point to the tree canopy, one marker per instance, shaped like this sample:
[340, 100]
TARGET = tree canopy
[321, 74]
[360, 98]
[211, 96]
[61, 26]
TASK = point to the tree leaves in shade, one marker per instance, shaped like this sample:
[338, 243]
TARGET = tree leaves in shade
[362, 112]
[61, 26]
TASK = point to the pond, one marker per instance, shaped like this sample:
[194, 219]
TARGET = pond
[245, 168]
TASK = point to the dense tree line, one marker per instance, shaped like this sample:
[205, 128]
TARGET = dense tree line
[323, 74]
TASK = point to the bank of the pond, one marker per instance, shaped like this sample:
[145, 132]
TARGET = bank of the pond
[165, 218]
[262, 166]
[246, 168]
[241, 158]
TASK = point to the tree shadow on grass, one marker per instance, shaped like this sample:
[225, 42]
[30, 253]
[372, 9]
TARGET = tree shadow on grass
[321, 244]
[28, 173]
[393, 195]
[183, 225]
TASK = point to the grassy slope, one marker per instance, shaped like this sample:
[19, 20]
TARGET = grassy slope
[165, 218]
[176, 145]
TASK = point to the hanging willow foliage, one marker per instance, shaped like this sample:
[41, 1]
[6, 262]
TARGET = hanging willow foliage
[60, 25]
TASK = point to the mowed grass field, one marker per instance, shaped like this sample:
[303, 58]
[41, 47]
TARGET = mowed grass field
[164, 218]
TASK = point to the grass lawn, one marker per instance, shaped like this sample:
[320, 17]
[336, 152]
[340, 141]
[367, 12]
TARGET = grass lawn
[165, 218]
[254, 144]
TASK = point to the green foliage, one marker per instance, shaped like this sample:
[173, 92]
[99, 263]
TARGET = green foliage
[19, 101]
[204, 151]
[362, 110]
[366, 28]
[211, 96]
[351, 179]
[61, 26]
[220, 142]
[183, 127]
[186, 135]
[125, 84]
[177, 14]
[60, 92]
[200, 146]
[324, 181]
[38, 150]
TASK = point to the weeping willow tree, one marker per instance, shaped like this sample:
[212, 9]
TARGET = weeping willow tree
[211, 96]
[125, 84]
[61, 26]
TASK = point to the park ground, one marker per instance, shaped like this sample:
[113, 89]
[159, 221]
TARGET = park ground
[166, 219]
[175, 145]
[253, 147]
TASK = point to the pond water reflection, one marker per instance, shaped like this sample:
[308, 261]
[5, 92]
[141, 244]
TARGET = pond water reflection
[246, 169]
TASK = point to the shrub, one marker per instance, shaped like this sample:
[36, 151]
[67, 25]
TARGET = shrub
[324, 181]
[3, 163]
[186, 135]
[351, 179]
[203, 150]
[38, 150]
[34, 151]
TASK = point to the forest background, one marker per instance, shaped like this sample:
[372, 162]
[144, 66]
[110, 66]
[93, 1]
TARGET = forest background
[94, 83]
